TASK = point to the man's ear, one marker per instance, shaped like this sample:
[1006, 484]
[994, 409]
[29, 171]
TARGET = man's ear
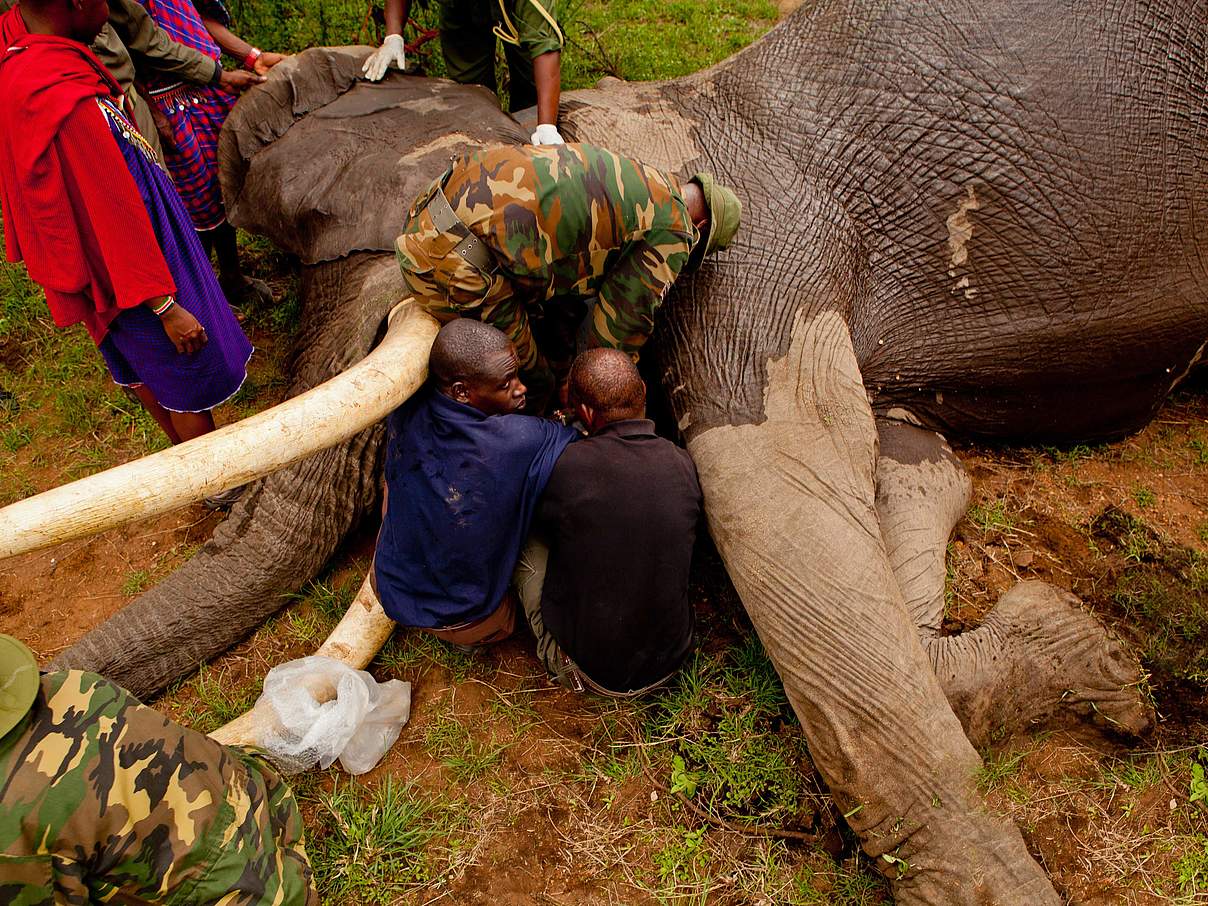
[586, 415]
[459, 391]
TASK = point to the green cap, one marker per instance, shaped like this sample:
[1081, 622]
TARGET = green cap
[18, 682]
[725, 211]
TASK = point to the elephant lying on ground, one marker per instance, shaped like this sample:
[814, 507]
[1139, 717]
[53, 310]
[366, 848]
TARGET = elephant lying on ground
[986, 219]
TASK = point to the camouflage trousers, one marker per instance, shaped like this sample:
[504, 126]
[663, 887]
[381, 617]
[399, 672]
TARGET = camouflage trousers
[105, 800]
[447, 286]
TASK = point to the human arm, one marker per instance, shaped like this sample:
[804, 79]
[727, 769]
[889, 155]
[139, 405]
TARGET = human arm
[153, 48]
[107, 801]
[535, 30]
[233, 45]
[392, 52]
[547, 75]
[633, 290]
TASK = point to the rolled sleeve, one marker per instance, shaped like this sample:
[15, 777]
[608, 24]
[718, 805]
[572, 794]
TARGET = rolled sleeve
[536, 26]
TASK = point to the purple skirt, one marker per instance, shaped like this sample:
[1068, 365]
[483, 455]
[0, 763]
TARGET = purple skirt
[136, 348]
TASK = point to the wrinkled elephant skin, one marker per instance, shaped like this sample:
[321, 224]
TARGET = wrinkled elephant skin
[984, 219]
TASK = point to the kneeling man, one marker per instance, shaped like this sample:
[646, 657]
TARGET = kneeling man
[604, 577]
[463, 473]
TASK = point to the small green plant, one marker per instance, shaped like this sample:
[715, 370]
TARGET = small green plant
[407, 651]
[136, 582]
[217, 701]
[1199, 449]
[1199, 785]
[682, 780]
[681, 859]
[16, 437]
[999, 768]
[1144, 497]
[994, 517]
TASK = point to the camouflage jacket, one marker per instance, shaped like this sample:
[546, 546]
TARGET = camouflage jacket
[575, 220]
[105, 800]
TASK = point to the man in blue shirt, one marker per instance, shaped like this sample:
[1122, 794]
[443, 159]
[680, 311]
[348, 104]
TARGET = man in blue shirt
[464, 470]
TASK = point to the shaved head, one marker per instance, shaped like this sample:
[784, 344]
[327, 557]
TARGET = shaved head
[475, 364]
[462, 349]
[608, 382]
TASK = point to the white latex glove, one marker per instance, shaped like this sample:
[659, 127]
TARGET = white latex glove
[391, 53]
[546, 134]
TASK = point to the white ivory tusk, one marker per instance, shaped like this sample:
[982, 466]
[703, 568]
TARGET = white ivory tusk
[359, 636]
[312, 421]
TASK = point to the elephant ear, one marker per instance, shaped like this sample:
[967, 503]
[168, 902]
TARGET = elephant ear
[326, 164]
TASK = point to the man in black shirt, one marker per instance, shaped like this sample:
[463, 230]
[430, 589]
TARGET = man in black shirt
[604, 577]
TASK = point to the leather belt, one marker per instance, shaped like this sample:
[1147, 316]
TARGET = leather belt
[470, 248]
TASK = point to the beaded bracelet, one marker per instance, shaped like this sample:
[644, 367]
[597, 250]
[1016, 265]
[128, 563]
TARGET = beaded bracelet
[249, 62]
[168, 303]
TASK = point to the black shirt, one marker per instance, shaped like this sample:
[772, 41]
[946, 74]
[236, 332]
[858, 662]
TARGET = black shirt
[620, 514]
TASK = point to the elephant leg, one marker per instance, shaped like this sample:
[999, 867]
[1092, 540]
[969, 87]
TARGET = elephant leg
[791, 506]
[1038, 659]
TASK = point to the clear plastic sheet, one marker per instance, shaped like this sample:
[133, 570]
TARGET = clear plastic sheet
[315, 710]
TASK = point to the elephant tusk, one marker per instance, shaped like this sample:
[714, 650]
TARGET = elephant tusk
[319, 418]
[360, 635]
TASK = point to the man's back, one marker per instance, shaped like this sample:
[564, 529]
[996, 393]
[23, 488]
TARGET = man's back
[620, 514]
[559, 215]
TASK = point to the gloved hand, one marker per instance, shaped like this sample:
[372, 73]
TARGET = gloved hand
[546, 134]
[391, 53]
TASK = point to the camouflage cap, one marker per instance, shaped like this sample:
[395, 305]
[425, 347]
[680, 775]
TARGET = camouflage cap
[18, 682]
[725, 212]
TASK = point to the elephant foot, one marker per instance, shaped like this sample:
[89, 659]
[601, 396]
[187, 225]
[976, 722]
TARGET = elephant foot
[951, 859]
[1039, 660]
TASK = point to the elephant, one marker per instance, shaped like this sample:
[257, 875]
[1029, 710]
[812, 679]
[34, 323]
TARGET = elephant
[978, 220]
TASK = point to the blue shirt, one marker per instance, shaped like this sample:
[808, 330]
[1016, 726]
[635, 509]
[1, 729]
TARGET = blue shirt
[462, 490]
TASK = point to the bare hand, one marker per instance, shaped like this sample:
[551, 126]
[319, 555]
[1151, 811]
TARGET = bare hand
[233, 81]
[267, 61]
[186, 334]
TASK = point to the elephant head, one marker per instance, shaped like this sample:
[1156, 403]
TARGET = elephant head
[988, 220]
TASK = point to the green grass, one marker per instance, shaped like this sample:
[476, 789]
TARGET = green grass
[454, 745]
[212, 699]
[641, 40]
[408, 650]
[726, 726]
[995, 517]
[372, 845]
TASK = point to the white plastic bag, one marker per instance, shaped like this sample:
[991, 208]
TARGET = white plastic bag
[315, 710]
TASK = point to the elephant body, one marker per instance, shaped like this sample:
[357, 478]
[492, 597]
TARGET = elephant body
[983, 219]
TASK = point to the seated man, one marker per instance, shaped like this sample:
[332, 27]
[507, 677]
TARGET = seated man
[463, 473]
[103, 799]
[509, 227]
[604, 578]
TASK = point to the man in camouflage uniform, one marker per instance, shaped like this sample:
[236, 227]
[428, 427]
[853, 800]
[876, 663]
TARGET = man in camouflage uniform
[105, 800]
[510, 227]
[532, 44]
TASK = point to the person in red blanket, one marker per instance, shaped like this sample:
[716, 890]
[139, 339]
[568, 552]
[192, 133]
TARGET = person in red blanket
[93, 214]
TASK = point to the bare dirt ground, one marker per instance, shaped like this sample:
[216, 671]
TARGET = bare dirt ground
[530, 794]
